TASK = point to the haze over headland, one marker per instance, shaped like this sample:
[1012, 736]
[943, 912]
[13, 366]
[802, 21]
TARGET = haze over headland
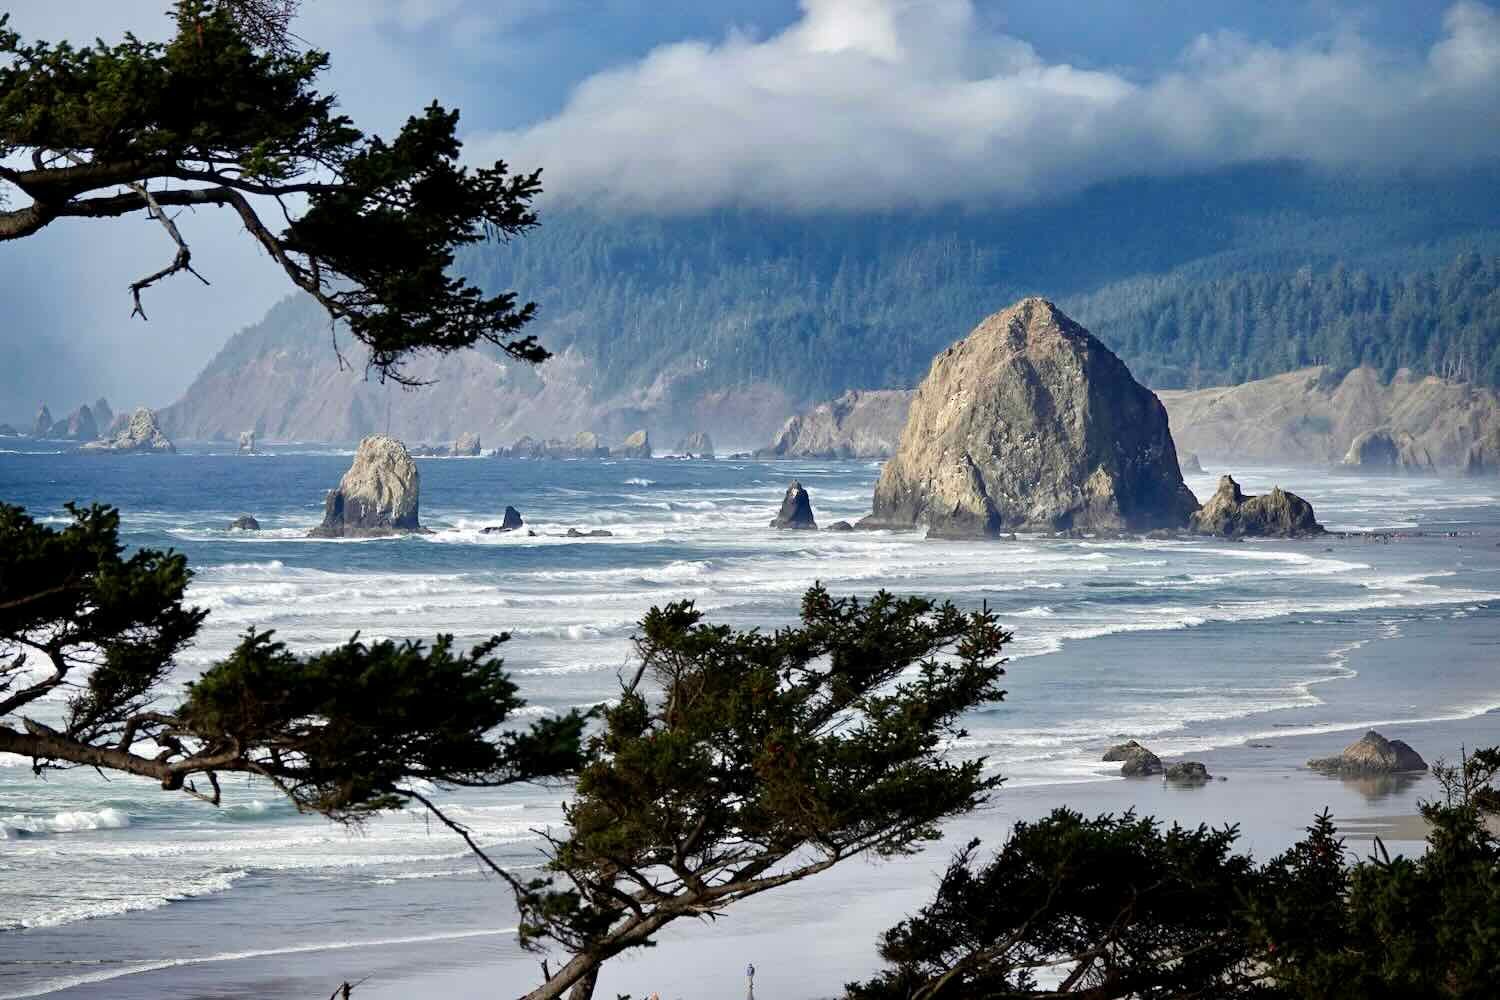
[898, 105]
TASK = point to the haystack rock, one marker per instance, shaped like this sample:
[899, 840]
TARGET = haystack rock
[637, 445]
[796, 510]
[247, 443]
[1389, 452]
[1372, 754]
[467, 444]
[41, 427]
[1229, 513]
[696, 445]
[1030, 423]
[377, 496]
[1192, 466]
[141, 433]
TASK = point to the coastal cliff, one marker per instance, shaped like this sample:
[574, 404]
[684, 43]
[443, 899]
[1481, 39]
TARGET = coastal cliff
[1314, 415]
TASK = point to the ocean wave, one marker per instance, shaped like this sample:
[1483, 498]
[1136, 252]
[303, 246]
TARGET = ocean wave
[72, 821]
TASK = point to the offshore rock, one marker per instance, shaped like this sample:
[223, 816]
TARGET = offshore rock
[244, 523]
[377, 496]
[141, 433]
[796, 510]
[1386, 451]
[1229, 513]
[81, 425]
[1135, 760]
[859, 424]
[840, 526]
[637, 445]
[247, 443]
[595, 533]
[467, 444]
[586, 445]
[104, 414]
[511, 521]
[1031, 423]
[696, 445]
[7, 431]
[1192, 466]
[1188, 772]
[41, 427]
[1372, 754]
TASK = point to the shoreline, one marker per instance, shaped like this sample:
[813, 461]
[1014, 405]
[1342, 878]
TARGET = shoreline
[829, 923]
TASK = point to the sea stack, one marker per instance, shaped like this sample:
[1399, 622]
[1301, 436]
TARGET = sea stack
[696, 445]
[41, 427]
[467, 445]
[377, 496]
[141, 433]
[247, 443]
[796, 510]
[1032, 424]
[637, 445]
[1229, 513]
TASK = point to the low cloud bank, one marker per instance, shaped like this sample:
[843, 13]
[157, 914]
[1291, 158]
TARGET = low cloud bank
[870, 104]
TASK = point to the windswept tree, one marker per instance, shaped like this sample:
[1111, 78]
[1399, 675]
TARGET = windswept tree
[1118, 907]
[227, 115]
[736, 762]
[88, 640]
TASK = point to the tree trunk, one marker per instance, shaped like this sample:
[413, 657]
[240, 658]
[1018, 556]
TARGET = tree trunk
[584, 988]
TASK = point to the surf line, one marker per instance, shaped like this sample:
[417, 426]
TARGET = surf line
[237, 956]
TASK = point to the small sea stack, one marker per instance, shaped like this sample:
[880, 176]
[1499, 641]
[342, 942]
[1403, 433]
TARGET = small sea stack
[796, 510]
[1371, 754]
[1229, 513]
[510, 521]
[377, 496]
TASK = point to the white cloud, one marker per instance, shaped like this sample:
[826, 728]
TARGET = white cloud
[874, 103]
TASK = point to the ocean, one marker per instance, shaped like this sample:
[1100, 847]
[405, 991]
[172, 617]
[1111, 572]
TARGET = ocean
[1205, 648]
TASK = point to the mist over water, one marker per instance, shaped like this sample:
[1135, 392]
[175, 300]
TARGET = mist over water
[1186, 646]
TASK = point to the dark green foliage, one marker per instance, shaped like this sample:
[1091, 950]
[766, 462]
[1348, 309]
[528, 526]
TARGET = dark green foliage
[218, 116]
[1249, 326]
[341, 732]
[1116, 908]
[735, 762]
[1108, 907]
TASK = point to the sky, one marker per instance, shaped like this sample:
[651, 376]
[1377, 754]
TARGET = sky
[675, 106]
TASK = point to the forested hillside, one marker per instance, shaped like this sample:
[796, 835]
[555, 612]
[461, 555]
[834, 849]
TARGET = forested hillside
[1223, 276]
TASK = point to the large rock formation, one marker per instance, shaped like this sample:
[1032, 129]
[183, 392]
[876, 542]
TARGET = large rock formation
[467, 444]
[859, 424]
[1229, 513]
[1135, 760]
[796, 510]
[1372, 754]
[81, 425]
[140, 433]
[637, 445]
[1030, 423]
[1312, 416]
[510, 521]
[586, 445]
[104, 414]
[1388, 452]
[41, 427]
[696, 445]
[377, 496]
